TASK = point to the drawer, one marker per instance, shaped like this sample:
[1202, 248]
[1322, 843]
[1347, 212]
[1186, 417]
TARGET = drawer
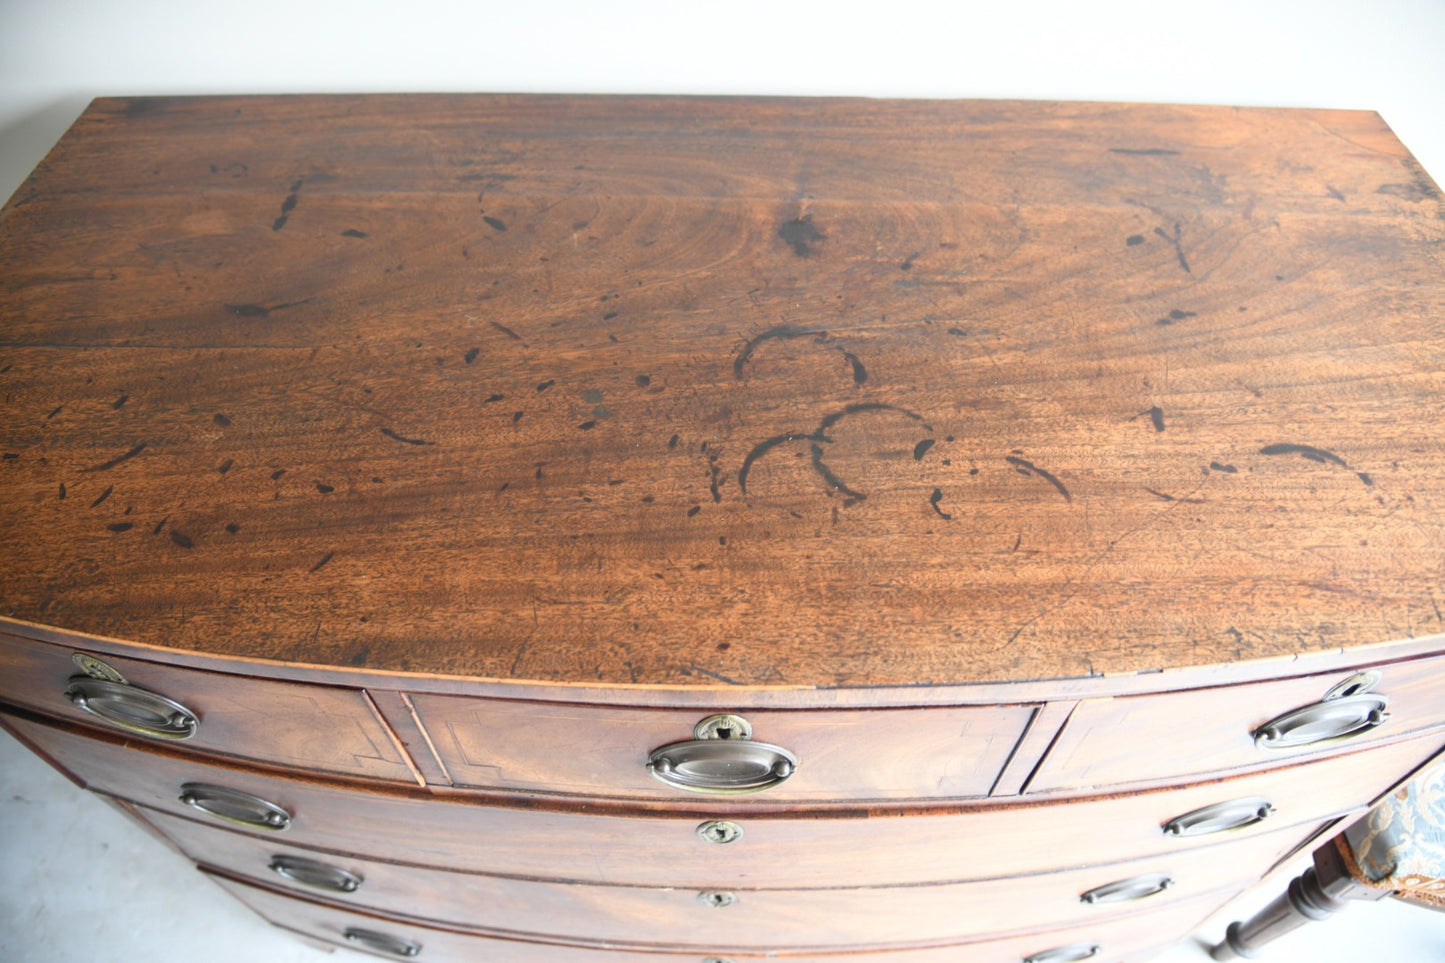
[757, 919]
[1154, 739]
[1115, 938]
[292, 725]
[624, 846]
[871, 754]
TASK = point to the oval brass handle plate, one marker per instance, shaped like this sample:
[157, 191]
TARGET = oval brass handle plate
[1066, 954]
[1124, 890]
[1324, 721]
[1220, 817]
[309, 872]
[134, 710]
[382, 942]
[234, 806]
[721, 766]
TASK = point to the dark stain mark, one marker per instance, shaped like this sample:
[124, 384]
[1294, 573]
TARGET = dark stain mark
[353, 232]
[506, 330]
[1227, 469]
[324, 559]
[1177, 241]
[277, 473]
[614, 482]
[1029, 467]
[184, 541]
[800, 233]
[722, 540]
[1175, 315]
[1156, 417]
[958, 332]
[832, 480]
[516, 417]
[222, 420]
[593, 396]
[672, 442]
[491, 399]
[693, 510]
[103, 496]
[10, 455]
[866, 406]
[1334, 192]
[643, 381]
[495, 223]
[58, 409]
[287, 206]
[505, 486]
[1144, 151]
[248, 310]
[360, 656]
[1365, 477]
[120, 526]
[404, 440]
[860, 373]
[587, 426]
[1305, 451]
[1019, 540]
[608, 317]
[934, 499]
[1412, 192]
[106, 466]
[1134, 240]
[907, 264]
[324, 488]
[921, 449]
[1173, 498]
[761, 449]
[715, 476]
[544, 386]
[120, 402]
[783, 332]
[471, 355]
[160, 525]
[538, 473]
[690, 669]
[232, 527]
[63, 492]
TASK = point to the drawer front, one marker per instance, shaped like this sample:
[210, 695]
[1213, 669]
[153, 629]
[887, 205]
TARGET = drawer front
[1115, 938]
[877, 754]
[1153, 739]
[285, 724]
[758, 919]
[673, 849]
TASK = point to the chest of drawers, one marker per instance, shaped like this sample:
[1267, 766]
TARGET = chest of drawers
[611, 529]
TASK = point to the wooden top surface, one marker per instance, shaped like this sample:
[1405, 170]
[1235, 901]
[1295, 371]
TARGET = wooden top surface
[694, 391]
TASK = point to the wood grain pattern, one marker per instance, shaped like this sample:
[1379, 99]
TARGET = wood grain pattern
[1118, 936]
[712, 391]
[760, 918]
[795, 849]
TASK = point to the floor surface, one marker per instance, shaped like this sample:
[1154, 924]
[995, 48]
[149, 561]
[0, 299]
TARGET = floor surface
[80, 883]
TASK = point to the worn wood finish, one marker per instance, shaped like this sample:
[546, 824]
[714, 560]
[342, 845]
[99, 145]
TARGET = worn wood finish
[709, 391]
[310, 727]
[766, 918]
[843, 754]
[1158, 739]
[1117, 936]
[810, 848]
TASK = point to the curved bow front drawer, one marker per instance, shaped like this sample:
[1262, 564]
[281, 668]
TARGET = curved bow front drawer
[670, 848]
[310, 727]
[758, 918]
[835, 754]
[1159, 738]
[394, 939]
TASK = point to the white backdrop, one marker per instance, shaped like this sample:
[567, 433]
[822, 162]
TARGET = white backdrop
[1385, 55]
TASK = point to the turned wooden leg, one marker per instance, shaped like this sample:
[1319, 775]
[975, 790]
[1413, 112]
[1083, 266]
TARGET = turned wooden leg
[1316, 894]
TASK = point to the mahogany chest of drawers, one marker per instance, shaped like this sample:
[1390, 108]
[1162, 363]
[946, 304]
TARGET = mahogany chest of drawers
[650, 529]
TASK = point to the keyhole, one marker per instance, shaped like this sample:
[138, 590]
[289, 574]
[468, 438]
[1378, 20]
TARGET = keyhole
[725, 732]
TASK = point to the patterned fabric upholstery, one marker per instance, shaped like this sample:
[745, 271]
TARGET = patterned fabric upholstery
[1400, 844]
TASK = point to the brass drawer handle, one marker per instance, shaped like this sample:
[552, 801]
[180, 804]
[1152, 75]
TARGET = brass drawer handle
[1066, 954]
[134, 710]
[1322, 722]
[1124, 890]
[382, 942]
[721, 766]
[309, 872]
[234, 806]
[1220, 817]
